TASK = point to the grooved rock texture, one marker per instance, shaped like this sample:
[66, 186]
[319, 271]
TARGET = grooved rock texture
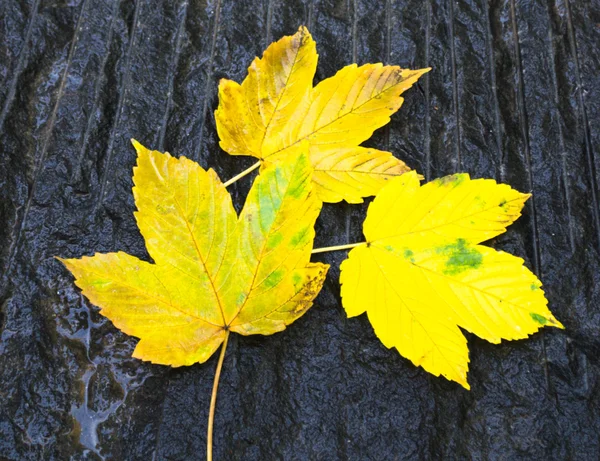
[514, 95]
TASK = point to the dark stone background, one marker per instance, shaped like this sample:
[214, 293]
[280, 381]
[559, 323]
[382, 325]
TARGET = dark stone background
[514, 95]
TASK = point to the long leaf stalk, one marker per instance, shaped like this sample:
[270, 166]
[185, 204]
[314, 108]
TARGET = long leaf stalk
[213, 400]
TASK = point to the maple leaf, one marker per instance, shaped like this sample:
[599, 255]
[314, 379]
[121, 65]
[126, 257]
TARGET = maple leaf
[422, 274]
[276, 107]
[213, 272]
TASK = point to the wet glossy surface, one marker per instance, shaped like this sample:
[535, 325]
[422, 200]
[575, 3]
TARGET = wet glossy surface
[514, 95]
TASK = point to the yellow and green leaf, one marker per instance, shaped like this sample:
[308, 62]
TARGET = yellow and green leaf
[276, 108]
[422, 274]
[213, 272]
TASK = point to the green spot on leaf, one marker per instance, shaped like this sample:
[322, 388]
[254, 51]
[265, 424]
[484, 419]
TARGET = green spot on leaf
[274, 278]
[461, 257]
[452, 180]
[296, 192]
[538, 318]
[299, 237]
[408, 254]
[267, 210]
[534, 287]
[274, 240]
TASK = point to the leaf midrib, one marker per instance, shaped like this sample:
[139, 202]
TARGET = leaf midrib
[285, 88]
[457, 281]
[145, 293]
[452, 365]
[332, 121]
[201, 259]
[262, 250]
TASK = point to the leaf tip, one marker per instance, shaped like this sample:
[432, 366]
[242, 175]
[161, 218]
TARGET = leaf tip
[64, 261]
[547, 321]
[137, 145]
[303, 31]
[459, 376]
[304, 38]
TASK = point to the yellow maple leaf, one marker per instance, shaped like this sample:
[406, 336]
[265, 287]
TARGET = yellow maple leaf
[275, 108]
[213, 272]
[421, 273]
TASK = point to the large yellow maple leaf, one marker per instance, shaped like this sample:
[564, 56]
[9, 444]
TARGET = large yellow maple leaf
[276, 107]
[213, 272]
[421, 273]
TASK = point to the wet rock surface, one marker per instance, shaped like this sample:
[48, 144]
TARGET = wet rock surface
[514, 95]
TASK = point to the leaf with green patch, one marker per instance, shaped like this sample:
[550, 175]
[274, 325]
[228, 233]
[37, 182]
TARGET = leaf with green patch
[213, 272]
[421, 274]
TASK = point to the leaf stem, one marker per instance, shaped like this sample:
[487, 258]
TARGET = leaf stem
[242, 174]
[213, 399]
[337, 247]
